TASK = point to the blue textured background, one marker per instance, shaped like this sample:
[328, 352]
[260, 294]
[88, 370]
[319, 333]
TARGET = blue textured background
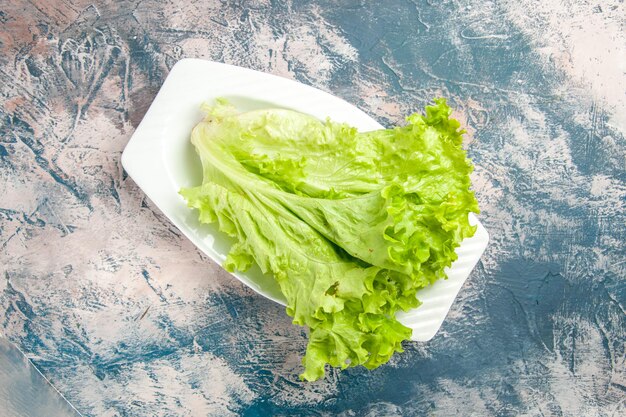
[127, 318]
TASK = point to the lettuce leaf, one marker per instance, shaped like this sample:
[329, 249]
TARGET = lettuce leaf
[350, 224]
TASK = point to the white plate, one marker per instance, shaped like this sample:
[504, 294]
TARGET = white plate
[160, 159]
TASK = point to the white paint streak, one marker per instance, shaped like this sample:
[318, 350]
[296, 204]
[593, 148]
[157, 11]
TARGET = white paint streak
[192, 384]
[586, 39]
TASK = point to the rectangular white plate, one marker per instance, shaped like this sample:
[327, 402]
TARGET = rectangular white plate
[160, 159]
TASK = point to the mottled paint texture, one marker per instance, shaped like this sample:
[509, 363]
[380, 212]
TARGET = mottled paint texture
[126, 317]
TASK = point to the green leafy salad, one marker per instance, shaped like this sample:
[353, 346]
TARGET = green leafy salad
[350, 224]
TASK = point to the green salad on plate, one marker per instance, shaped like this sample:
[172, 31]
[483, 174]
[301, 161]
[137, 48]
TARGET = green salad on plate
[350, 224]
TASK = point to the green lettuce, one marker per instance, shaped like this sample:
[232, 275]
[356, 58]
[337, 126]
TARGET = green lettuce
[350, 224]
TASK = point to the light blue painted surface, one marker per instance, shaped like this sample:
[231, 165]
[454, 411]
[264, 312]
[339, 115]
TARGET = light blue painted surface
[126, 318]
[24, 392]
